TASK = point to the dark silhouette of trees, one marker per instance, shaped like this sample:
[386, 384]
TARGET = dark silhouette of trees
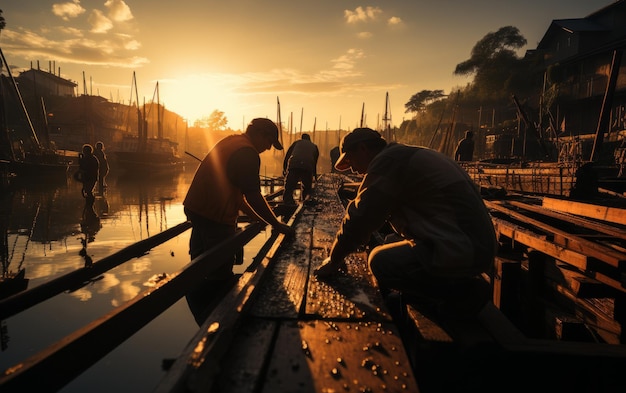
[498, 71]
[418, 101]
[3, 22]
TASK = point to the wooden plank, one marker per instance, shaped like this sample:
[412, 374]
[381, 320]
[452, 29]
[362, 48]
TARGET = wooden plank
[606, 327]
[350, 295]
[506, 286]
[568, 240]
[320, 356]
[196, 368]
[581, 285]
[242, 369]
[539, 243]
[605, 213]
[284, 288]
[583, 222]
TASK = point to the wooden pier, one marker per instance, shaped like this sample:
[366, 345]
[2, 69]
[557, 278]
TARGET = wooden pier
[282, 330]
[555, 320]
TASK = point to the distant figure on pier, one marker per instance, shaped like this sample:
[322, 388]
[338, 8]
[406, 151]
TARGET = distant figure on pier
[226, 182]
[87, 170]
[444, 236]
[300, 165]
[334, 156]
[465, 148]
[103, 169]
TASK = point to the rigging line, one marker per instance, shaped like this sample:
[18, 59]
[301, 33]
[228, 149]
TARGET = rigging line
[30, 235]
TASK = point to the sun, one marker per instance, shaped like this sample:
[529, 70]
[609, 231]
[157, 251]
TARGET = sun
[197, 96]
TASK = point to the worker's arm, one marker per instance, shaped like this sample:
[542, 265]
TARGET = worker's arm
[262, 211]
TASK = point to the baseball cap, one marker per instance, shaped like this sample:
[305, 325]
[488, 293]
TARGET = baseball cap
[266, 127]
[350, 141]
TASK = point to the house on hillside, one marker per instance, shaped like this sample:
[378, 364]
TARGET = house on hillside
[45, 83]
[578, 55]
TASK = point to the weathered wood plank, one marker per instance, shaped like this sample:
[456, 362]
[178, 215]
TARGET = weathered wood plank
[284, 288]
[539, 243]
[196, 368]
[565, 239]
[242, 369]
[609, 230]
[319, 356]
[581, 285]
[604, 213]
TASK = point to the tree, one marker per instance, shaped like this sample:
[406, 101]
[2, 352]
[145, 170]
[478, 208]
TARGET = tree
[3, 23]
[216, 121]
[419, 101]
[493, 46]
[495, 64]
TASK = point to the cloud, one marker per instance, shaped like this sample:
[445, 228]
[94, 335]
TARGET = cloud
[112, 51]
[394, 20]
[68, 10]
[361, 14]
[332, 81]
[132, 44]
[99, 22]
[119, 11]
[364, 35]
[348, 60]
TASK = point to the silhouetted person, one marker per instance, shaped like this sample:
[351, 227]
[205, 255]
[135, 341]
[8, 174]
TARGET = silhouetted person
[103, 168]
[444, 236]
[87, 170]
[465, 148]
[586, 186]
[300, 165]
[226, 182]
[334, 156]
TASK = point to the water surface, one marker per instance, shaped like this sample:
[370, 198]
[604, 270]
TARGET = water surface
[51, 230]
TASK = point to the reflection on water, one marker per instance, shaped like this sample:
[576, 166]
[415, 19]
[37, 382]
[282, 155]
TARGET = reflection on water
[49, 230]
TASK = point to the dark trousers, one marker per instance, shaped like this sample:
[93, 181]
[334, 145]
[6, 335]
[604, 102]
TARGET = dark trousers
[295, 175]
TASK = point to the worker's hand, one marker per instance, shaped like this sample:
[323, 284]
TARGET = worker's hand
[329, 268]
[286, 229]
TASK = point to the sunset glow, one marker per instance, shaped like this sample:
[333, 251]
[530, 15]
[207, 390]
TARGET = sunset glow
[325, 60]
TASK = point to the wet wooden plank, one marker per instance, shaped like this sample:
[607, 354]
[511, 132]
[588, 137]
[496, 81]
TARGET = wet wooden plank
[243, 366]
[320, 356]
[350, 295]
[283, 290]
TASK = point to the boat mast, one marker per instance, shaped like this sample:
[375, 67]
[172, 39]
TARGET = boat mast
[159, 122]
[387, 119]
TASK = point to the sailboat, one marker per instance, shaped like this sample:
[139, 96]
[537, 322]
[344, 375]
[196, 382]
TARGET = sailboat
[22, 154]
[141, 155]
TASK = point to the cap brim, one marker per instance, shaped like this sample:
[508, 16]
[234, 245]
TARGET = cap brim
[342, 163]
[277, 145]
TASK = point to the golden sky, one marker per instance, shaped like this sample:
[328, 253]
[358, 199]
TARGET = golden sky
[324, 59]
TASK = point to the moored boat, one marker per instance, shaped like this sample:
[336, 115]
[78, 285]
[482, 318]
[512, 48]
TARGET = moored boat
[21, 151]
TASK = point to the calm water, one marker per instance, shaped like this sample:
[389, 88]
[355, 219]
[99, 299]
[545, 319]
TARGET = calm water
[50, 233]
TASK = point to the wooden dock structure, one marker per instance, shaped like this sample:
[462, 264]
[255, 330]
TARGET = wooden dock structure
[282, 330]
[555, 321]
